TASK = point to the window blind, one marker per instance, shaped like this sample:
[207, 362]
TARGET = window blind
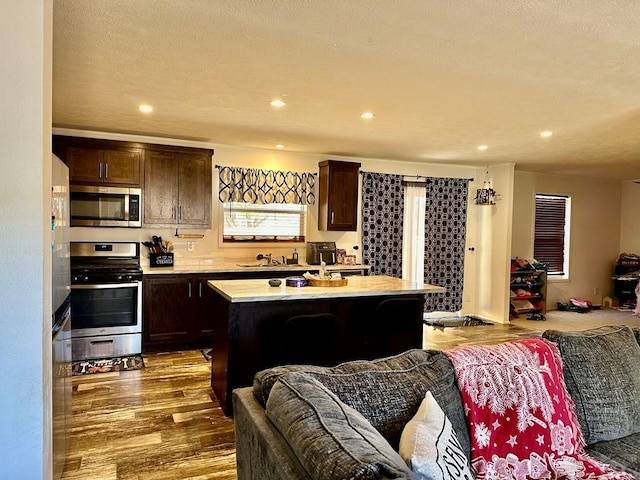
[246, 222]
[549, 237]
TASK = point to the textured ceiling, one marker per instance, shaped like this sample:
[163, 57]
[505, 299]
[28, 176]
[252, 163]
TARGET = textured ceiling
[441, 77]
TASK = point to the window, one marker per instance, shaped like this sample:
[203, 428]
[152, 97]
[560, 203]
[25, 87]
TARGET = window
[415, 201]
[551, 237]
[274, 222]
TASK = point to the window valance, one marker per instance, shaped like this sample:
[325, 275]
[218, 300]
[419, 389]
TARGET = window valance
[250, 185]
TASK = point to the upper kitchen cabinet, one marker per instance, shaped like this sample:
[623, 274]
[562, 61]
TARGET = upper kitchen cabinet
[338, 208]
[177, 187]
[100, 162]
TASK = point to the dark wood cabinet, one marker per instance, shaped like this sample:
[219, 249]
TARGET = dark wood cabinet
[178, 309]
[203, 327]
[177, 312]
[100, 162]
[177, 188]
[161, 188]
[338, 195]
[176, 180]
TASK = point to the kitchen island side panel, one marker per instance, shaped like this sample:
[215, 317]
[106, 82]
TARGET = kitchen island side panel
[220, 316]
[252, 340]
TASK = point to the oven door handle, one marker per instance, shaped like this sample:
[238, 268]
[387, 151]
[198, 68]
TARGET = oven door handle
[104, 286]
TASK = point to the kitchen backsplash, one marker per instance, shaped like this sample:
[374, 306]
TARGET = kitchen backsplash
[208, 249]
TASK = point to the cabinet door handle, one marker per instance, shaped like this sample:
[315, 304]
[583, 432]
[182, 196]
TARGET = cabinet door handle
[106, 170]
[180, 210]
[199, 289]
[173, 212]
[189, 289]
[333, 214]
[100, 170]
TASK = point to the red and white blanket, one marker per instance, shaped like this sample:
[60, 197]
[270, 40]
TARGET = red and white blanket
[520, 416]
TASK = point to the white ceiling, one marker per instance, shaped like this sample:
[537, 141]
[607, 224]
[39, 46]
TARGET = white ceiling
[442, 77]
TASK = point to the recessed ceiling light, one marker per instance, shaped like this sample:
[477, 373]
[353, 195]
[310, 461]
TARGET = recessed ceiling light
[145, 108]
[279, 145]
[546, 133]
[367, 115]
[277, 103]
[483, 147]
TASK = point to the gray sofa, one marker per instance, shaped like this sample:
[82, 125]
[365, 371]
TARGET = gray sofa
[601, 369]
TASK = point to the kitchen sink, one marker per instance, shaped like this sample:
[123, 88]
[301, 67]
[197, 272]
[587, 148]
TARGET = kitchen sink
[250, 265]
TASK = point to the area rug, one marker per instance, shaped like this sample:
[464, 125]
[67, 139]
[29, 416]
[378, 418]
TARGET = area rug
[206, 352]
[466, 321]
[116, 364]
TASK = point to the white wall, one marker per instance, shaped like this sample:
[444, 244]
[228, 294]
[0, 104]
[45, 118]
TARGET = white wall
[494, 230]
[629, 218]
[211, 247]
[595, 231]
[25, 317]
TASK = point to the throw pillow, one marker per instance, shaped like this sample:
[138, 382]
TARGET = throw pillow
[430, 446]
[387, 392]
[602, 376]
[330, 439]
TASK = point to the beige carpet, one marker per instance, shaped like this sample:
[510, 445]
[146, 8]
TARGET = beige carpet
[579, 321]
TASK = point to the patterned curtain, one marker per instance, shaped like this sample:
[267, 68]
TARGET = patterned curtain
[445, 232]
[250, 185]
[382, 217]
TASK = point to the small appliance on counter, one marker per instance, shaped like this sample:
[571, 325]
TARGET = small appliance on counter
[318, 252]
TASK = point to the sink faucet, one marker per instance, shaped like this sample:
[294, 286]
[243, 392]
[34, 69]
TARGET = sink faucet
[267, 256]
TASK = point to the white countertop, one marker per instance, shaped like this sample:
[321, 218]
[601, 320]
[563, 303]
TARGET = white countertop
[242, 268]
[357, 286]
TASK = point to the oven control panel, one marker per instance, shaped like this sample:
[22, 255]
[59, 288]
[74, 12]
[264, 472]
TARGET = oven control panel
[101, 278]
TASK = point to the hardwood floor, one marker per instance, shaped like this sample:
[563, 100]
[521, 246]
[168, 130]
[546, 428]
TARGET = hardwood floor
[160, 423]
[164, 423]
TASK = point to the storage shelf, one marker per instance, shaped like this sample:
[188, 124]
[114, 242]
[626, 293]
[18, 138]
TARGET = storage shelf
[528, 310]
[536, 288]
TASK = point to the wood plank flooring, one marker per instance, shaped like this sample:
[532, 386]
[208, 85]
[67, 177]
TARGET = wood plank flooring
[160, 423]
[163, 422]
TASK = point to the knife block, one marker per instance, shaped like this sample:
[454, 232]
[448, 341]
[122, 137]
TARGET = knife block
[161, 259]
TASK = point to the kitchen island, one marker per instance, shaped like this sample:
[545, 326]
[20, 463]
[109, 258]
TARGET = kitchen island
[257, 326]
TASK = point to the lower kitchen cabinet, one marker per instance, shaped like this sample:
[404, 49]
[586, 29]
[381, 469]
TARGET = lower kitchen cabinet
[177, 308]
[176, 312]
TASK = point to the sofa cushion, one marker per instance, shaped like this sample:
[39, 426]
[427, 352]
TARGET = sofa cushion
[264, 380]
[430, 445]
[622, 454]
[388, 392]
[602, 376]
[330, 439]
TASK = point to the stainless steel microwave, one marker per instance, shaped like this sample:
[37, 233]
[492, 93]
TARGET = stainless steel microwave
[96, 206]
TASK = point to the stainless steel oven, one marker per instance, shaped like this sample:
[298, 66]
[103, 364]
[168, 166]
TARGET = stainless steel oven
[106, 299]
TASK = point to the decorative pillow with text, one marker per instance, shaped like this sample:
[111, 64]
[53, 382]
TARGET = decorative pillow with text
[430, 446]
